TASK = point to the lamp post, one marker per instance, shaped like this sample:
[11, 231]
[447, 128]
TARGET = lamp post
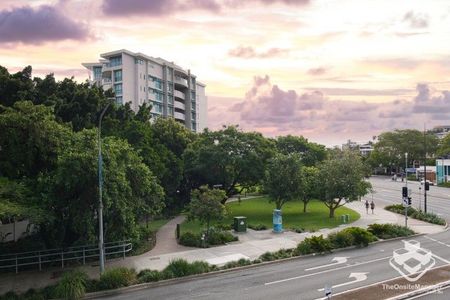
[101, 245]
[406, 185]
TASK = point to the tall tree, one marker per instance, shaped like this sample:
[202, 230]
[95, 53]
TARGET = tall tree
[310, 153]
[228, 157]
[309, 185]
[391, 147]
[342, 180]
[283, 180]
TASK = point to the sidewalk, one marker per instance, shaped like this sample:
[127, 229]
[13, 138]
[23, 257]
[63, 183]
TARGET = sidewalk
[250, 246]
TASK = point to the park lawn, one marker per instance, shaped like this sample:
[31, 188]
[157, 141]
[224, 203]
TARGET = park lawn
[259, 211]
[154, 225]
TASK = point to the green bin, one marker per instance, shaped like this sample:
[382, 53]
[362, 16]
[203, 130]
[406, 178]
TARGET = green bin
[240, 224]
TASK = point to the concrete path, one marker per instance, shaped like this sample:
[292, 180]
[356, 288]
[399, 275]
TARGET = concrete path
[166, 241]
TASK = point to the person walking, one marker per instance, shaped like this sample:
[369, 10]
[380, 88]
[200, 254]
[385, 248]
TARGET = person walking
[372, 206]
[367, 206]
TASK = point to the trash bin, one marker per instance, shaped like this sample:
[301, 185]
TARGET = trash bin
[240, 224]
[347, 218]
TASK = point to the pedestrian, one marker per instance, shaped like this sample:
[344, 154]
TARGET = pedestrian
[367, 206]
[372, 206]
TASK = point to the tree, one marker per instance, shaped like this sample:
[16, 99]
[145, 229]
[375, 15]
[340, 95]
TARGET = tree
[310, 185]
[206, 205]
[391, 147]
[444, 147]
[70, 194]
[30, 140]
[310, 153]
[228, 157]
[283, 180]
[342, 180]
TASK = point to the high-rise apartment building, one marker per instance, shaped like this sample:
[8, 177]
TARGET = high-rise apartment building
[138, 78]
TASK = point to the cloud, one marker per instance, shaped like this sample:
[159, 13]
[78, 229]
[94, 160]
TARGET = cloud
[37, 25]
[317, 71]
[273, 111]
[416, 20]
[250, 52]
[166, 7]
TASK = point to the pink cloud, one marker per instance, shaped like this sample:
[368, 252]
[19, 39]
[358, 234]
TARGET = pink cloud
[38, 25]
[273, 111]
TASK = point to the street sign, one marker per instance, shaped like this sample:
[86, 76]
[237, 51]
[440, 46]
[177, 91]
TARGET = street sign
[327, 292]
[405, 201]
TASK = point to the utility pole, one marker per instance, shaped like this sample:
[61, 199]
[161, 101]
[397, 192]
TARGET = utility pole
[101, 244]
[425, 170]
[406, 187]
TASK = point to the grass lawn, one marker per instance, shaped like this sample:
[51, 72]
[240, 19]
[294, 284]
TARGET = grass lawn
[156, 224]
[259, 211]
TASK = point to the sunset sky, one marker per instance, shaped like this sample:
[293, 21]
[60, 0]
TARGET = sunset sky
[329, 70]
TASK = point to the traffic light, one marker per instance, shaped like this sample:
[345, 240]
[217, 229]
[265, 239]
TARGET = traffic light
[427, 186]
[409, 200]
[404, 192]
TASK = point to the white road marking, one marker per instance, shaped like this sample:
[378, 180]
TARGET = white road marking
[338, 260]
[327, 271]
[358, 277]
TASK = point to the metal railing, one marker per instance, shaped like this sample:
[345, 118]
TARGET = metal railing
[79, 254]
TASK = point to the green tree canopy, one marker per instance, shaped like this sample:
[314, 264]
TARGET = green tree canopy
[283, 180]
[391, 147]
[206, 205]
[227, 157]
[309, 185]
[310, 153]
[342, 180]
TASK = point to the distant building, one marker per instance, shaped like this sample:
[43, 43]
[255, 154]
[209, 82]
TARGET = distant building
[137, 78]
[364, 149]
[443, 169]
[441, 131]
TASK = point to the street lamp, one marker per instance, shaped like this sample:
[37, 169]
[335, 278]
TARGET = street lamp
[101, 244]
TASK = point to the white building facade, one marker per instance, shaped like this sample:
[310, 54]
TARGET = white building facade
[137, 79]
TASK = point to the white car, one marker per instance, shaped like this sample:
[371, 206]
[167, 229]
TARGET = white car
[429, 182]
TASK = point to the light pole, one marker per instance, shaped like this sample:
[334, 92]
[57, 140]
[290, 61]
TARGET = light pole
[101, 245]
[406, 185]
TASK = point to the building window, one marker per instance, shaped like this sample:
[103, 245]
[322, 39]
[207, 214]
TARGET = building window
[117, 75]
[138, 61]
[170, 87]
[97, 73]
[194, 126]
[170, 111]
[119, 100]
[170, 99]
[118, 89]
[144, 88]
[193, 115]
[157, 83]
[115, 61]
[193, 95]
[144, 76]
[157, 107]
[193, 82]
[158, 96]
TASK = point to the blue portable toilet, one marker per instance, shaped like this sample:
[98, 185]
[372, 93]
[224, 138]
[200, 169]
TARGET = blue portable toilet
[277, 221]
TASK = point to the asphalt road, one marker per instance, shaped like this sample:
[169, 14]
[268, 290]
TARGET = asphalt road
[306, 278]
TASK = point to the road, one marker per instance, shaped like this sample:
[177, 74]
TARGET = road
[306, 278]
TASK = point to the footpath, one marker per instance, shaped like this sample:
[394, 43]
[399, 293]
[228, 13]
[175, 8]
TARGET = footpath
[250, 246]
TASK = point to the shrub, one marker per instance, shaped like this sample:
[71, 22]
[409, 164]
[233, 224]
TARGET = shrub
[72, 286]
[388, 231]
[190, 239]
[257, 227]
[314, 244]
[116, 278]
[361, 236]
[220, 237]
[178, 268]
[33, 294]
[298, 229]
[149, 276]
[414, 213]
[200, 267]
[267, 256]
[283, 253]
[341, 239]
[221, 226]
[237, 263]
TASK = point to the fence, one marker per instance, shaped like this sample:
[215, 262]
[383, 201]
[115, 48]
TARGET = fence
[79, 254]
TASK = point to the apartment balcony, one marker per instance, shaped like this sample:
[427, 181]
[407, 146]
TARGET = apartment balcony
[179, 105]
[181, 82]
[179, 116]
[179, 95]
